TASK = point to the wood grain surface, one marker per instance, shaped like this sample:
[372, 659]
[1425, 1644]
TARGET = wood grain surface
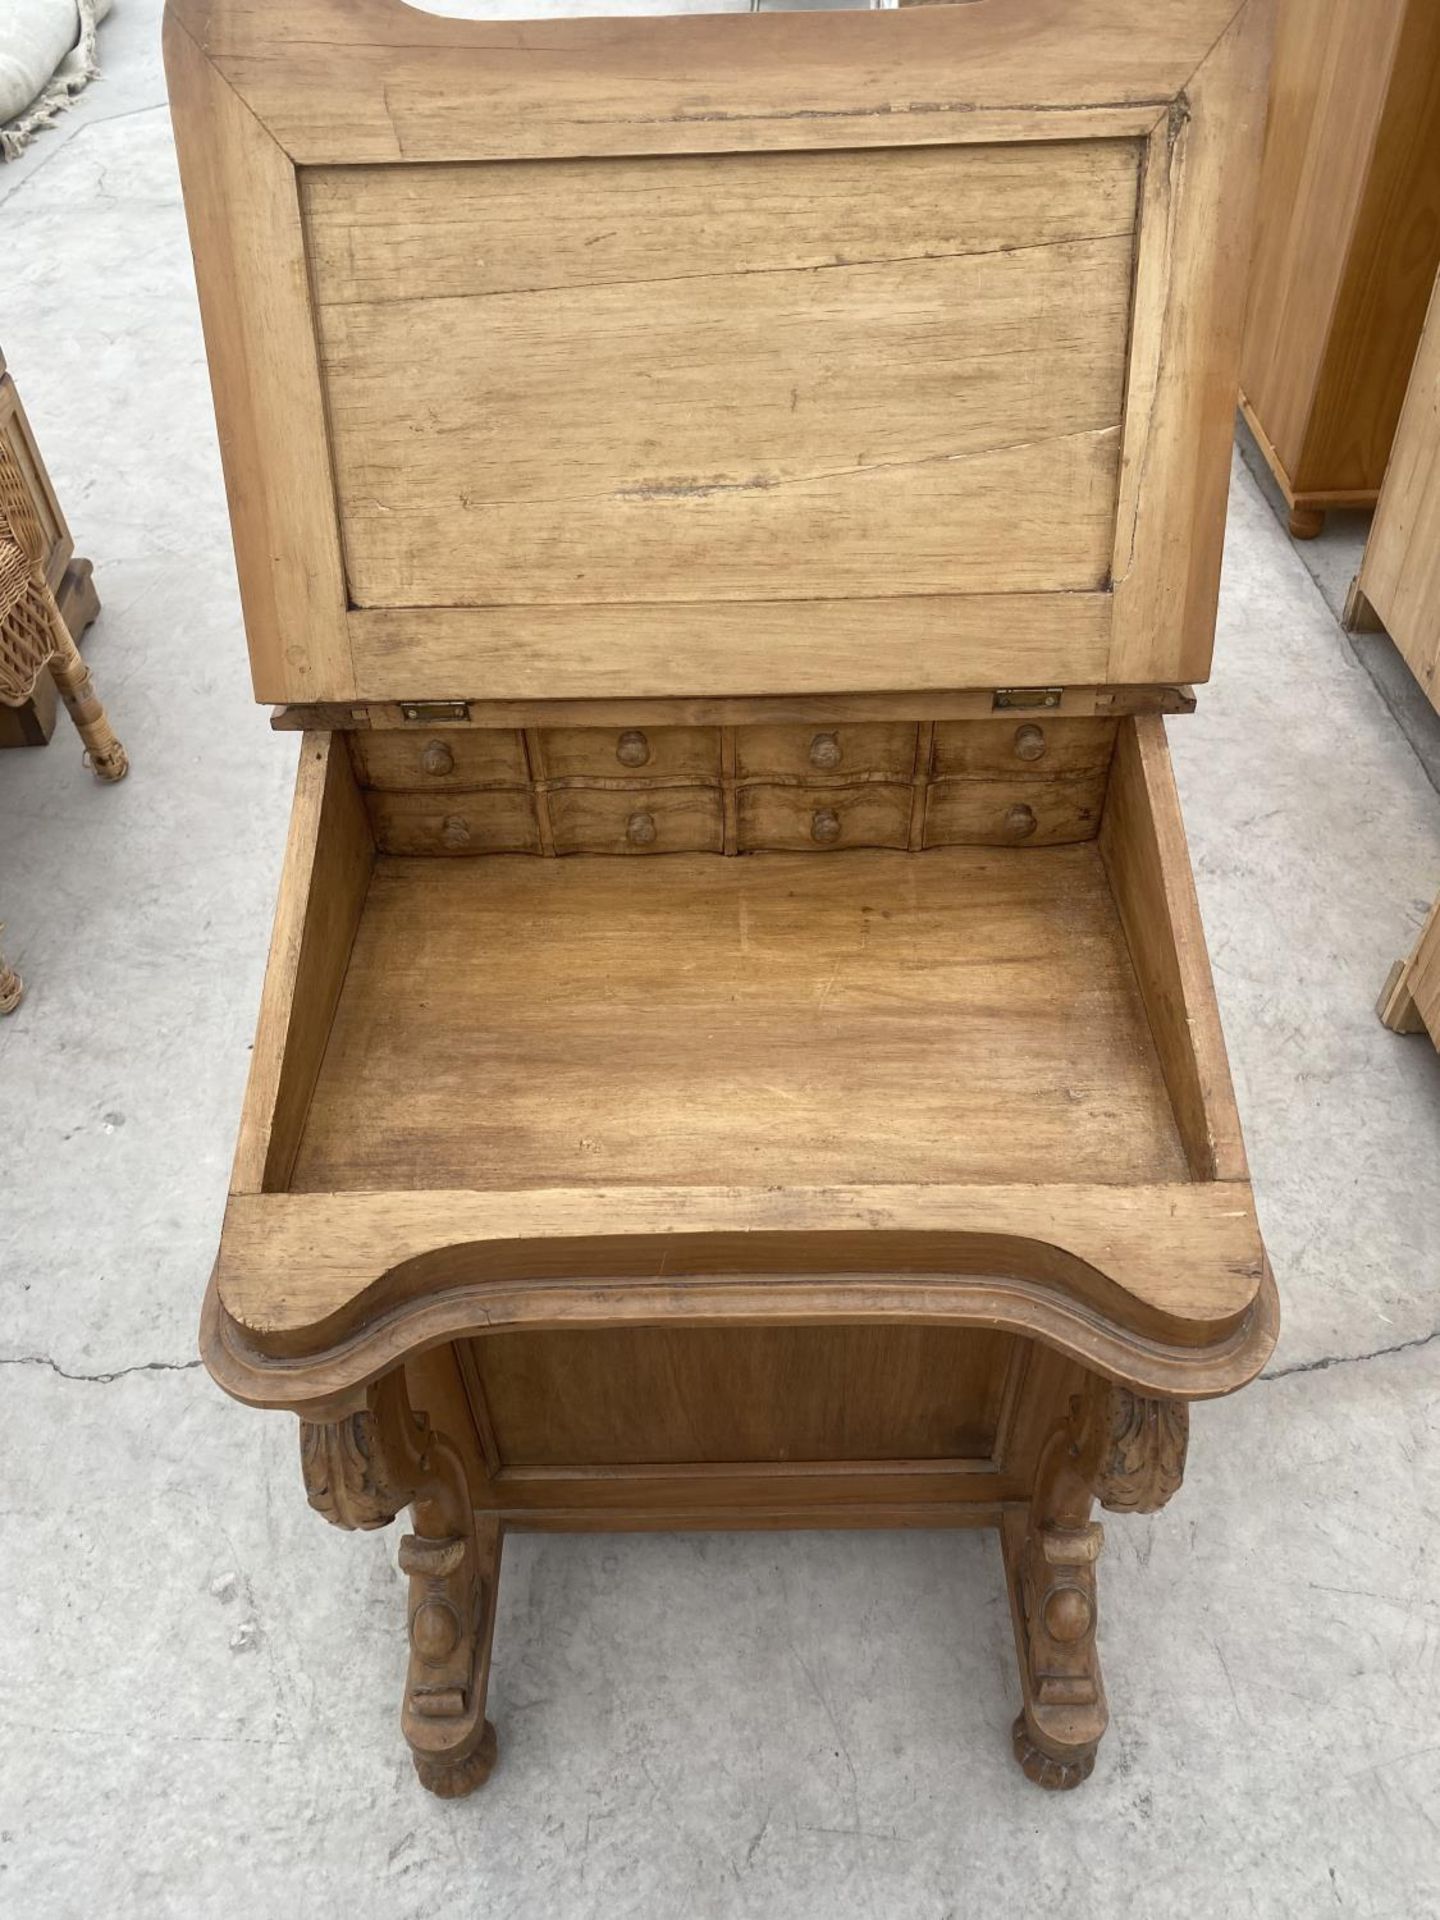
[653, 1395]
[866, 1016]
[905, 372]
[1400, 573]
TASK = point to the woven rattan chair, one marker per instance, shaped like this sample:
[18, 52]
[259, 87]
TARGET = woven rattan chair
[34, 639]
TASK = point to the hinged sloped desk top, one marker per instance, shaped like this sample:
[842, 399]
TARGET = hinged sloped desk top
[707, 356]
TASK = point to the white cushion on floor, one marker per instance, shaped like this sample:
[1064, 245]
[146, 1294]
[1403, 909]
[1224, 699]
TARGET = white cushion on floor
[35, 37]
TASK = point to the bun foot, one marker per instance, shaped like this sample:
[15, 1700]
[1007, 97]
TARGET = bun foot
[453, 1779]
[1056, 1775]
[1306, 523]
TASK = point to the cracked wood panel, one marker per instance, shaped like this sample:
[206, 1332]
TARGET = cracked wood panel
[348, 81]
[373, 230]
[708, 379]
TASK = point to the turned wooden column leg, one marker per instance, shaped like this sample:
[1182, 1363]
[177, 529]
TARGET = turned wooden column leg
[360, 1471]
[1128, 1451]
[108, 759]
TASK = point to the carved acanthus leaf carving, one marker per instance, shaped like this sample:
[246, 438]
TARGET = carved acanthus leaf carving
[1142, 1445]
[346, 1477]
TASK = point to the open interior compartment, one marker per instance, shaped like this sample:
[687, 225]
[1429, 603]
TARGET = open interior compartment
[981, 1060]
[969, 1014]
[984, 1014]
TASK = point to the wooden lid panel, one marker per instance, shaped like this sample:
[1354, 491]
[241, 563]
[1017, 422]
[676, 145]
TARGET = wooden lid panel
[938, 403]
[774, 377]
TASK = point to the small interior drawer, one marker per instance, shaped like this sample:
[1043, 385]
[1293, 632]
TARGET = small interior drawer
[630, 753]
[1038, 746]
[867, 751]
[647, 820]
[798, 818]
[1021, 812]
[475, 757]
[501, 821]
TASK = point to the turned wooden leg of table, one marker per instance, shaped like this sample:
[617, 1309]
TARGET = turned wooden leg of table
[360, 1471]
[1128, 1451]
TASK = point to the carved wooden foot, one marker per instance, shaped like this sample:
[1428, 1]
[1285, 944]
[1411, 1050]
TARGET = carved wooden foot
[453, 1779]
[360, 1471]
[1055, 1772]
[1306, 523]
[1127, 1450]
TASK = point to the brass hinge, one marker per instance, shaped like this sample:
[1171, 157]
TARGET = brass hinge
[434, 713]
[1031, 697]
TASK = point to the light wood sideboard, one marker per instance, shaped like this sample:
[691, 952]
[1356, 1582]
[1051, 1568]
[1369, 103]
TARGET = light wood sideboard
[1348, 242]
[1410, 999]
[731, 502]
[1398, 589]
[1398, 585]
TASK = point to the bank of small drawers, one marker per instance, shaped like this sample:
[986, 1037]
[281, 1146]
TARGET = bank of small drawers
[635, 790]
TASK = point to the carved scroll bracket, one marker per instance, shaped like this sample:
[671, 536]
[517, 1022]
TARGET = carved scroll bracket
[361, 1470]
[348, 1477]
[1140, 1447]
[1127, 1450]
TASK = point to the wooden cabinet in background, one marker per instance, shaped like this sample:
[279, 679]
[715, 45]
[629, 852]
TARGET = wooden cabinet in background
[1398, 589]
[1410, 1001]
[1347, 244]
[1398, 586]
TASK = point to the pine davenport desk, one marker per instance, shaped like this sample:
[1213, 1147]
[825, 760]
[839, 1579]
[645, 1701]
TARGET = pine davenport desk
[730, 502]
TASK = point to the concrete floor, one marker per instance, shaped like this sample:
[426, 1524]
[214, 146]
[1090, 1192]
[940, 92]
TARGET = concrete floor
[199, 1681]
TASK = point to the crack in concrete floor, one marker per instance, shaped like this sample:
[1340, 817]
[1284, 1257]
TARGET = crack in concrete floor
[100, 1379]
[1322, 1365]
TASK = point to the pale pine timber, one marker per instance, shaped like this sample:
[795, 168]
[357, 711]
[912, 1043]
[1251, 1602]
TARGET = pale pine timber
[737, 1049]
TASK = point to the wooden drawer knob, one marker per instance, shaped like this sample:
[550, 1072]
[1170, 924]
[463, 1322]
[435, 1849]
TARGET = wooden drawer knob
[632, 749]
[455, 831]
[825, 750]
[1030, 743]
[640, 829]
[437, 759]
[1020, 823]
[825, 826]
